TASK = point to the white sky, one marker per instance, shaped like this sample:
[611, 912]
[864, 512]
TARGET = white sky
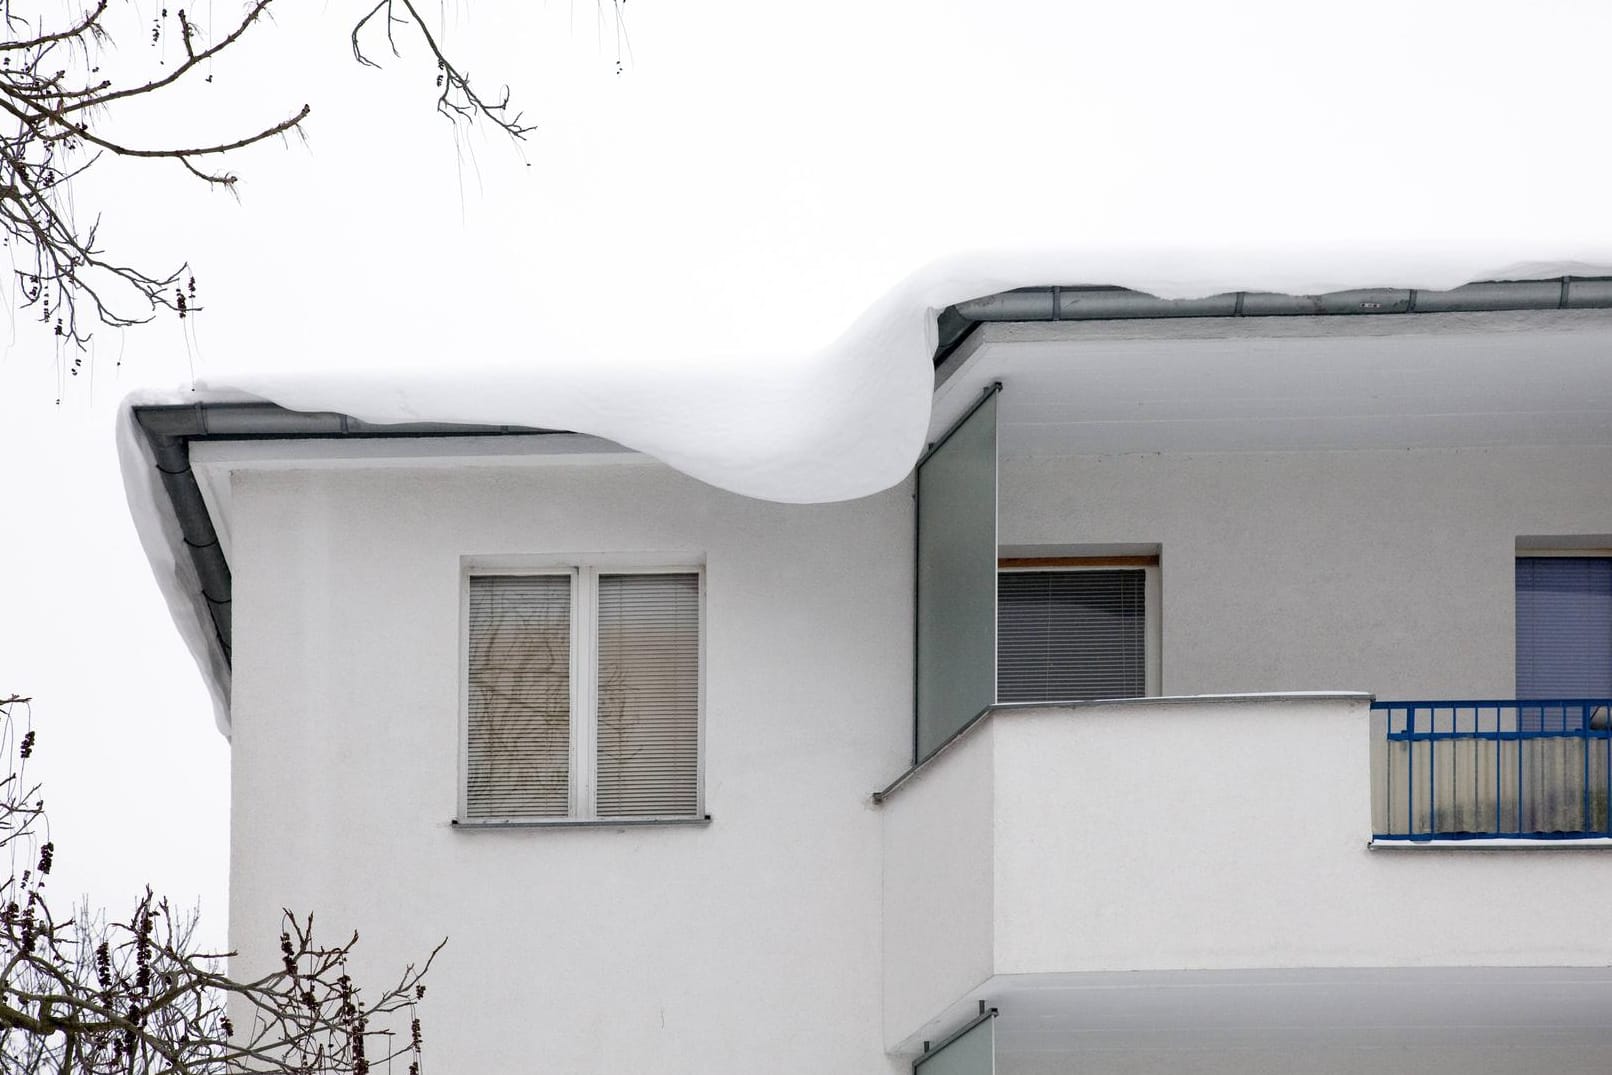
[718, 214]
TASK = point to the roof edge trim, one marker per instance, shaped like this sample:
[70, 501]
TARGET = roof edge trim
[957, 322]
[169, 430]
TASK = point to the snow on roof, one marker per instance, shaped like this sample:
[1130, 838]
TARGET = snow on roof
[839, 421]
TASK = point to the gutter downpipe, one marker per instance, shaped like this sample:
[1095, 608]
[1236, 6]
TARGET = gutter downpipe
[1118, 303]
[169, 429]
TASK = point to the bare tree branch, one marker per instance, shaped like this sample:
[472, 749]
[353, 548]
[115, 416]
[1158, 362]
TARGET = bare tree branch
[91, 996]
[55, 98]
[55, 110]
[457, 99]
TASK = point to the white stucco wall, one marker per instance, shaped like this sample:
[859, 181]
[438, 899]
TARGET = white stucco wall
[1380, 571]
[940, 890]
[753, 940]
[806, 925]
[1203, 834]
[1234, 834]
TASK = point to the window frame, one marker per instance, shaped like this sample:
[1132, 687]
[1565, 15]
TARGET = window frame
[1152, 607]
[583, 762]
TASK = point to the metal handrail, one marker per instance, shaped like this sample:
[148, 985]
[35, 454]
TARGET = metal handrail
[1526, 788]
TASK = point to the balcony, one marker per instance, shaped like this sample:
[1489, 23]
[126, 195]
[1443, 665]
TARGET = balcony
[1140, 844]
[1219, 882]
[1525, 771]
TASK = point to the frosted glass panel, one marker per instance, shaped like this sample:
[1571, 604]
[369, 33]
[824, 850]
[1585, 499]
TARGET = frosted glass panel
[957, 580]
[973, 1053]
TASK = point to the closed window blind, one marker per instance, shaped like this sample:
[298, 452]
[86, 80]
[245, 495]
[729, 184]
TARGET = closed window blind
[1068, 635]
[519, 735]
[1564, 627]
[649, 695]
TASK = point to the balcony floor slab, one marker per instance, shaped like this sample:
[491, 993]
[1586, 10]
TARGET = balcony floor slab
[1319, 1020]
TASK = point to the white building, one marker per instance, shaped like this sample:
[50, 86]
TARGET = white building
[1076, 725]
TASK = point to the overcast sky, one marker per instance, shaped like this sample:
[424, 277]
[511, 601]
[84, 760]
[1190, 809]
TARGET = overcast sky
[753, 179]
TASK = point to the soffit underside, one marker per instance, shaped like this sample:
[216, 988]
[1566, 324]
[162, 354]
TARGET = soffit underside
[1301, 1010]
[1293, 384]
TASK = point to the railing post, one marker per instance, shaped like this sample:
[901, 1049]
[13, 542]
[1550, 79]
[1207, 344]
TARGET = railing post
[1584, 742]
[1499, 777]
[1519, 769]
[1410, 771]
[1432, 772]
[1606, 803]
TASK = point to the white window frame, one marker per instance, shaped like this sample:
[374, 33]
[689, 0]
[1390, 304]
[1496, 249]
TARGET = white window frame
[584, 572]
[1152, 600]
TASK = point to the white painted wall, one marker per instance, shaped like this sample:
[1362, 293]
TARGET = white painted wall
[1380, 571]
[753, 941]
[1111, 841]
[940, 891]
[1221, 834]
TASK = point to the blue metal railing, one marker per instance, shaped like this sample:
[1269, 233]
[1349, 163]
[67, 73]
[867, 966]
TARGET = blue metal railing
[1519, 768]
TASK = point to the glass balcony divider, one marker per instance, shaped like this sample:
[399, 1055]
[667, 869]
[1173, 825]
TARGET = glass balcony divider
[969, 1051]
[955, 603]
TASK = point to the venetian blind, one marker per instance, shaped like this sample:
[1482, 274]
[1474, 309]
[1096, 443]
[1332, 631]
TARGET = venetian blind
[519, 736]
[1564, 627]
[649, 695]
[1068, 635]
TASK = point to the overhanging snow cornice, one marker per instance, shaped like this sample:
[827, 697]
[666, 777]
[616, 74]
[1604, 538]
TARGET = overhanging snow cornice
[184, 526]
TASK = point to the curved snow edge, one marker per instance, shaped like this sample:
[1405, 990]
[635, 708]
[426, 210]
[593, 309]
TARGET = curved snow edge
[846, 421]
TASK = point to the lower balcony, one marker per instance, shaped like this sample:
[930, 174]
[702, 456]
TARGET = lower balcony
[1123, 872]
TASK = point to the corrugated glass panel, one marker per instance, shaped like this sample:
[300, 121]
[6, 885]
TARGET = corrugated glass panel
[519, 734]
[649, 695]
[956, 643]
[1067, 635]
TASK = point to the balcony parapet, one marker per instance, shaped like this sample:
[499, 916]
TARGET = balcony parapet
[1006, 708]
[1225, 832]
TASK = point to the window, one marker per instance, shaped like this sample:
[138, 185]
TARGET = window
[1564, 627]
[583, 695]
[1073, 632]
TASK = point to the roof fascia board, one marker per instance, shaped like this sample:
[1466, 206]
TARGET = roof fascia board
[1290, 328]
[357, 452]
[215, 462]
[1085, 303]
[226, 436]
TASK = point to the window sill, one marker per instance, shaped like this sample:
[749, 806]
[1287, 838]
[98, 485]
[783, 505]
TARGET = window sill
[1496, 843]
[485, 823]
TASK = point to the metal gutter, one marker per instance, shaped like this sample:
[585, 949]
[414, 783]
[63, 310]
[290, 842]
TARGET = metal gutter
[957, 322]
[170, 430]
